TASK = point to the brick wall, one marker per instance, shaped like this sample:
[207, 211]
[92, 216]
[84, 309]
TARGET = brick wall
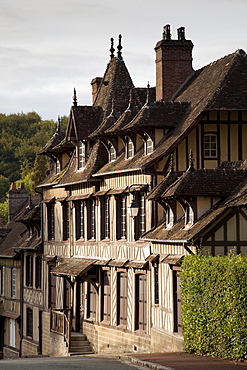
[173, 66]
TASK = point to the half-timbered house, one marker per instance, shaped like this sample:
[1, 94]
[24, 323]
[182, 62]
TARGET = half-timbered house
[139, 179]
[20, 273]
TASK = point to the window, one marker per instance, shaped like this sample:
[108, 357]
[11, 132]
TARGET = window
[58, 167]
[189, 215]
[79, 214]
[105, 217]
[129, 148]
[81, 155]
[91, 302]
[141, 303]
[112, 153]
[156, 283]
[12, 332]
[210, 146]
[177, 302]
[38, 272]
[50, 221]
[140, 220]
[29, 322]
[2, 277]
[121, 217]
[148, 145]
[13, 282]
[91, 219]
[52, 288]
[29, 270]
[169, 217]
[122, 298]
[106, 296]
[66, 301]
[66, 220]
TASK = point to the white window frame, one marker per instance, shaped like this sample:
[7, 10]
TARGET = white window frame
[112, 153]
[169, 217]
[58, 166]
[123, 226]
[13, 282]
[149, 145]
[81, 155]
[12, 336]
[129, 148]
[210, 146]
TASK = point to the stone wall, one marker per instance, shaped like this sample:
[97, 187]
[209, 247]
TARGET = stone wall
[58, 346]
[164, 342]
[111, 340]
[29, 348]
[10, 353]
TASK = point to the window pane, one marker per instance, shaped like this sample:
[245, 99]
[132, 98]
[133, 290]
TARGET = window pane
[210, 146]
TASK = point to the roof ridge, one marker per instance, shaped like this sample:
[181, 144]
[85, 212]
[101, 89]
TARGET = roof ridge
[238, 53]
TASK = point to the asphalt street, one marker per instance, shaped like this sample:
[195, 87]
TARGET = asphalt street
[62, 363]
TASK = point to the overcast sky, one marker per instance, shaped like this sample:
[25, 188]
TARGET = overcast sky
[49, 47]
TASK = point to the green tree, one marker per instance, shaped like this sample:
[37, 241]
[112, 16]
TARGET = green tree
[4, 187]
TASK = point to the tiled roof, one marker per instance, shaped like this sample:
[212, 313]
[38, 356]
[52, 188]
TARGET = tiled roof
[17, 235]
[178, 232]
[116, 84]
[158, 114]
[52, 143]
[98, 156]
[204, 182]
[208, 89]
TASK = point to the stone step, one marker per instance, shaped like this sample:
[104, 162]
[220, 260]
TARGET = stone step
[78, 336]
[79, 345]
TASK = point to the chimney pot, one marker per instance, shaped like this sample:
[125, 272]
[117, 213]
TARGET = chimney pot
[167, 32]
[173, 63]
[181, 33]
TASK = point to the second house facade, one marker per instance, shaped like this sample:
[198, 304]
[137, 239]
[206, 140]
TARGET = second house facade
[138, 180]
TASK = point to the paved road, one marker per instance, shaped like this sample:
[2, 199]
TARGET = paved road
[68, 363]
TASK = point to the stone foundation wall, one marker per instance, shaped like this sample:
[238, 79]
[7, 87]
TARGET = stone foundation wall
[29, 348]
[10, 353]
[58, 346]
[111, 340]
[46, 341]
[164, 342]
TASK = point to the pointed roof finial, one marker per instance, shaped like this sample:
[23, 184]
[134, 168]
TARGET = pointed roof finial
[191, 161]
[119, 54]
[112, 48]
[74, 98]
[58, 124]
[148, 93]
[172, 164]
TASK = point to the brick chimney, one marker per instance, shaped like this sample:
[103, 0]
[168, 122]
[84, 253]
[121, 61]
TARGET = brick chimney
[16, 199]
[173, 63]
[95, 87]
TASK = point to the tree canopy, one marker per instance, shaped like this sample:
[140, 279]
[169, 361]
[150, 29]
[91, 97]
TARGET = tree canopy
[22, 135]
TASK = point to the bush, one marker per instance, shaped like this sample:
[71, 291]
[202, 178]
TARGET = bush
[214, 309]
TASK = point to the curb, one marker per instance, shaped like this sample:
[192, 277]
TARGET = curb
[150, 365]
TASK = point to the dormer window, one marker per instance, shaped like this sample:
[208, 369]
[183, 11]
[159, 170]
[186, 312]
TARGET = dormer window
[189, 216]
[148, 145]
[58, 167]
[210, 146]
[129, 148]
[112, 153]
[169, 217]
[81, 155]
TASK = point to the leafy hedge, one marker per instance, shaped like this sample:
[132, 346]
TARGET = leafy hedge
[214, 305]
